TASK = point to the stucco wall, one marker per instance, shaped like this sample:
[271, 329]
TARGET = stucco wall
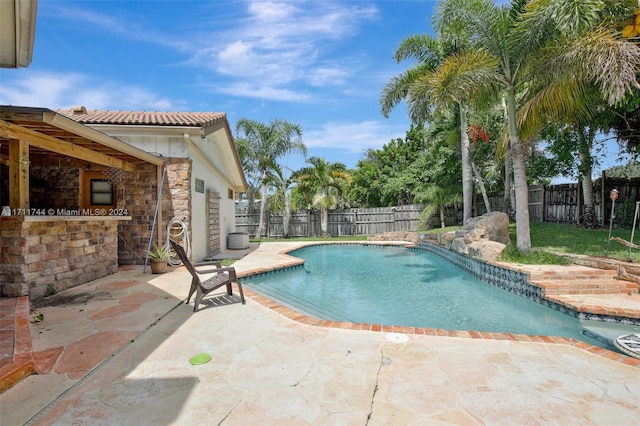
[200, 220]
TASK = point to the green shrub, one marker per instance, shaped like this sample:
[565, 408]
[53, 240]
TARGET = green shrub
[625, 212]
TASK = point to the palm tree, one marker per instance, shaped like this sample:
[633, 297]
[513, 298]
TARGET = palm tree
[281, 199]
[251, 173]
[442, 78]
[265, 144]
[328, 183]
[519, 36]
[589, 69]
[493, 28]
[437, 199]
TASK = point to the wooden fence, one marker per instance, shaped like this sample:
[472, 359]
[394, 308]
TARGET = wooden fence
[306, 223]
[555, 203]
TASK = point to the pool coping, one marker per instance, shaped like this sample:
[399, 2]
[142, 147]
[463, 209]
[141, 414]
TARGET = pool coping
[302, 318]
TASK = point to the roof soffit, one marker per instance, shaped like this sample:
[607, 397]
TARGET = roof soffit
[55, 127]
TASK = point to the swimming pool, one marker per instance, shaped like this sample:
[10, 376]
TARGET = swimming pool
[402, 287]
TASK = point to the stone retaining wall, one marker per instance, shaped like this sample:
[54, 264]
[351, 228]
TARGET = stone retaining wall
[40, 257]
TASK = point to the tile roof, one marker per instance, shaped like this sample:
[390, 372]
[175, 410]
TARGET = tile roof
[189, 119]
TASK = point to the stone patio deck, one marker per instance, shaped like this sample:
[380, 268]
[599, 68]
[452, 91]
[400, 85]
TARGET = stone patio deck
[115, 351]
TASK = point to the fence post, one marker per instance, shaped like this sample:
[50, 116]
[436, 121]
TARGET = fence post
[544, 203]
[267, 223]
[603, 212]
[354, 228]
[578, 202]
[393, 213]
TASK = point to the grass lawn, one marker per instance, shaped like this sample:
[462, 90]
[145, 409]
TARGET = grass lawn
[550, 238]
[564, 238]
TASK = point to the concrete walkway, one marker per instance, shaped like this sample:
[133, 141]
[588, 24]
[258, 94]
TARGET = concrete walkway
[116, 351]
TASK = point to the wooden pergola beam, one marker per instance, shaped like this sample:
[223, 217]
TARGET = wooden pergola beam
[19, 174]
[31, 137]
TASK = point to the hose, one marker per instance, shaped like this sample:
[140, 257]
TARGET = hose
[175, 229]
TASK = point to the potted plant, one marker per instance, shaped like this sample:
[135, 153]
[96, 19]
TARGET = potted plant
[158, 258]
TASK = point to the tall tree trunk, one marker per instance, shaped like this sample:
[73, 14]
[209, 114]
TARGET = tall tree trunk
[442, 225]
[508, 200]
[263, 206]
[324, 222]
[523, 236]
[287, 215]
[467, 176]
[586, 142]
[251, 200]
[483, 190]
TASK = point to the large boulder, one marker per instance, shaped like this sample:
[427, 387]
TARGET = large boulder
[492, 226]
[411, 237]
[489, 251]
[484, 237]
[446, 238]
[459, 245]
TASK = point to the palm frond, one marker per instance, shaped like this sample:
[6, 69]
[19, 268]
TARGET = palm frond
[422, 47]
[398, 87]
[566, 100]
[613, 63]
[460, 75]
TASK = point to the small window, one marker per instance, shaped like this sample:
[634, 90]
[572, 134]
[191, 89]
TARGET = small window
[230, 194]
[101, 192]
[200, 185]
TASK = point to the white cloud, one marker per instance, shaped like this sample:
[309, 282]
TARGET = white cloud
[354, 137]
[249, 90]
[329, 76]
[279, 47]
[269, 11]
[38, 89]
[283, 43]
[131, 28]
[63, 90]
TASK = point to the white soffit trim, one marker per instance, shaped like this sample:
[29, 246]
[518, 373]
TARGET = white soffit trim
[17, 32]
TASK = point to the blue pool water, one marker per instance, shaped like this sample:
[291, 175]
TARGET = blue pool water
[397, 286]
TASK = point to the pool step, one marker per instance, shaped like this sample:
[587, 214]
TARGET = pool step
[575, 279]
[569, 273]
[587, 286]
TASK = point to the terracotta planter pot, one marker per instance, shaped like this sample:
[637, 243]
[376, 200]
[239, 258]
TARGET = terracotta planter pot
[158, 266]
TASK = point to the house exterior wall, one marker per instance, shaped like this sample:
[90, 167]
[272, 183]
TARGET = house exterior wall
[137, 194]
[57, 187]
[187, 204]
[200, 231]
[42, 255]
[64, 194]
[227, 206]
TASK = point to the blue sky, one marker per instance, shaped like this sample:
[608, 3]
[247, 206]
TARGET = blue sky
[321, 64]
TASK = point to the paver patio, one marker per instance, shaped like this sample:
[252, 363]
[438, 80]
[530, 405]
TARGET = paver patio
[101, 361]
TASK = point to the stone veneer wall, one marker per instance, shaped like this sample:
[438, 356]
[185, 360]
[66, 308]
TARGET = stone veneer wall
[137, 195]
[39, 257]
[54, 187]
[48, 254]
